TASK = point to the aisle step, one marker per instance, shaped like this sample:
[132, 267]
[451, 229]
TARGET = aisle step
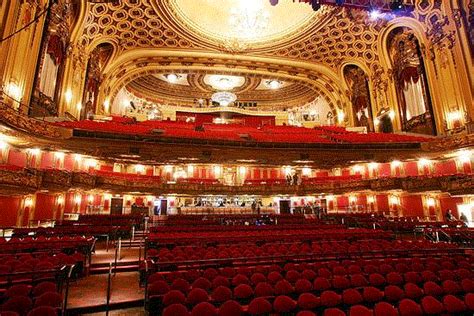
[103, 307]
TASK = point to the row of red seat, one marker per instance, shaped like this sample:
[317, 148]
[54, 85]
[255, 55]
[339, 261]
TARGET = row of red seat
[276, 134]
[42, 299]
[322, 249]
[317, 286]
[281, 234]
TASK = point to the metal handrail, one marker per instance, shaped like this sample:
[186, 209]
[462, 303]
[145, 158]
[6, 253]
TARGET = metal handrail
[66, 295]
[109, 289]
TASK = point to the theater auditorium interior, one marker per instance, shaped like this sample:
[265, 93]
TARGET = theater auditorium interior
[236, 157]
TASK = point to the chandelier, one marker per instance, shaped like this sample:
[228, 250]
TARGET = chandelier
[224, 98]
[249, 19]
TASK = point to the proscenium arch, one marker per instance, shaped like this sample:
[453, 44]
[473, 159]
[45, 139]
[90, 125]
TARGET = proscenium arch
[124, 68]
[419, 30]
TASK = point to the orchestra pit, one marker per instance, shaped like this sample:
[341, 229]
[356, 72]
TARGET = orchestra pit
[236, 157]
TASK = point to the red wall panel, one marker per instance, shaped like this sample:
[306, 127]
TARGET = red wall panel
[9, 206]
[47, 159]
[411, 169]
[382, 203]
[384, 170]
[44, 209]
[17, 158]
[412, 205]
[445, 167]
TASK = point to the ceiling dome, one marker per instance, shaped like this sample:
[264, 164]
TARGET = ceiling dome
[245, 21]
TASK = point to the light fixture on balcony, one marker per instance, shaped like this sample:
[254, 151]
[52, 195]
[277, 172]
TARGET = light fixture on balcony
[224, 98]
[172, 78]
[273, 84]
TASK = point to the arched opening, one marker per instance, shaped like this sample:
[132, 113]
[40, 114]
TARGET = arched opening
[415, 107]
[358, 84]
[98, 59]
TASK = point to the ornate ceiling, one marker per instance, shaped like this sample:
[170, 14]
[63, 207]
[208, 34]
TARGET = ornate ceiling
[158, 36]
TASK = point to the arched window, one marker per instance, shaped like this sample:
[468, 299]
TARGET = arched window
[414, 101]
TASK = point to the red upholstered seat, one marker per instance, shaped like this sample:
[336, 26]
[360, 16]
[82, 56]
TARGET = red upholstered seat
[274, 276]
[376, 279]
[330, 299]
[407, 307]
[18, 290]
[221, 294]
[283, 304]
[264, 289]
[413, 291]
[174, 297]
[433, 289]
[360, 310]
[18, 304]
[292, 276]
[158, 288]
[243, 291]
[220, 281]
[306, 313]
[308, 301]
[309, 274]
[333, 312]
[321, 284]
[454, 304]
[372, 294]
[385, 309]
[204, 309]
[52, 299]
[431, 306]
[231, 308]
[43, 311]
[196, 296]
[358, 280]
[259, 306]
[240, 279]
[340, 282]
[257, 278]
[469, 300]
[202, 283]
[351, 297]
[181, 285]
[283, 287]
[467, 285]
[451, 287]
[44, 287]
[394, 278]
[303, 285]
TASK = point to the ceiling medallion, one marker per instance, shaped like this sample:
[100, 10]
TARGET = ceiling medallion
[224, 98]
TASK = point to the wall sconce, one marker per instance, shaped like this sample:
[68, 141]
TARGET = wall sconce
[357, 168]
[168, 169]
[217, 170]
[28, 201]
[287, 170]
[68, 96]
[106, 105]
[79, 106]
[373, 166]
[13, 90]
[430, 202]
[455, 118]
[330, 198]
[91, 163]
[90, 198]
[391, 114]
[3, 145]
[306, 171]
[352, 199]
[59, 155]
[394, 200]
[34, 151]
[77, 199]
[190, 170]
[60, 200]
[139, 168]
[341, 116]
[396, 163]
[77, 158]
[464, 156]
[243, 170]
[376, 122]
[423, 162]
[370, 199]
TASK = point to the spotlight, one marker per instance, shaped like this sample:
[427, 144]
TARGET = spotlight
[397, 5]
[274, 2]
[375, 14]
[316, 5]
